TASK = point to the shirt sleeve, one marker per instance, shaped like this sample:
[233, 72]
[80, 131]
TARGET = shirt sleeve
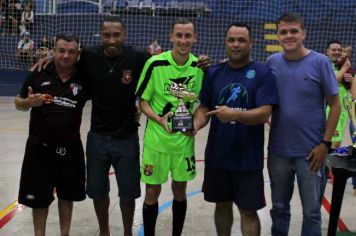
[144, 88]
[206, 90]
[28, 82]
[266, 92]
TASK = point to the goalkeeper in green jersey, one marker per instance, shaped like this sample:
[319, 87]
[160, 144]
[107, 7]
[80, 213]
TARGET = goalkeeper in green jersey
[166, 151]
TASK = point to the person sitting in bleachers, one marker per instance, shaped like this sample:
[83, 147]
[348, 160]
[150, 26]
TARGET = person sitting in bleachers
[31, 3]
[154, 48]
[44, 48]
[24, 53]
[2, 17]
[12, 15]
[27, 18]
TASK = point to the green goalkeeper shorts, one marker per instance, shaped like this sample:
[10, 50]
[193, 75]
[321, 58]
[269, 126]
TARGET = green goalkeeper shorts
[157, 165]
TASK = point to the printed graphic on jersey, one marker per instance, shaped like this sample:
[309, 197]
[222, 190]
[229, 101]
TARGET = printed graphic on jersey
[64, 102]
[188, 81]
[234, 96]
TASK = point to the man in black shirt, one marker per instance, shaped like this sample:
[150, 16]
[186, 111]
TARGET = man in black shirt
[54, 156]
[113, 71]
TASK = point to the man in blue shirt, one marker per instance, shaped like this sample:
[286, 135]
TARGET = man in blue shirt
[300, 134]
[238, 95]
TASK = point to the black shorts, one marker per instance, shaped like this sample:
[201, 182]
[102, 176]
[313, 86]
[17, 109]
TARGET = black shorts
[47, 168]
[244, 188]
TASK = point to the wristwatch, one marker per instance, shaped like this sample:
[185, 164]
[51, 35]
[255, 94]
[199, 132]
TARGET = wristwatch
[326, 143]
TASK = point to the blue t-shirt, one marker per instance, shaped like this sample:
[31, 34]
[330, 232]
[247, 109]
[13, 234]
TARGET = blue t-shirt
[235, 146]
[298, 124]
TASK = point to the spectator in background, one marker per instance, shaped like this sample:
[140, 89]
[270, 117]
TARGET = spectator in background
[346, 55]
[44, 48]
[24, 51]
[154, 48]
[12, 15]
[2, 17]
[333, 51]
[27, 18]
[31, 3]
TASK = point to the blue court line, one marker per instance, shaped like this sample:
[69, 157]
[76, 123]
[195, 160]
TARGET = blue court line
[164, 207]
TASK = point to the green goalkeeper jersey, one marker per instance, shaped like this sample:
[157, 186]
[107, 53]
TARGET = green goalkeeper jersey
[158, 74]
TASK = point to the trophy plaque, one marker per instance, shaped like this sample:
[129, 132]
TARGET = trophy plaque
[350, 106]
[182, 119]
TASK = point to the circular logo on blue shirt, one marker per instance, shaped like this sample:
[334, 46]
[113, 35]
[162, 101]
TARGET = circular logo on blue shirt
[251, 74]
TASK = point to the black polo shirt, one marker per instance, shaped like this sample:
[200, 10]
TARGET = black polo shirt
[58, 122]
[113, 83]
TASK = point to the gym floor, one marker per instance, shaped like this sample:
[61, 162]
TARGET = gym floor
[17, 220]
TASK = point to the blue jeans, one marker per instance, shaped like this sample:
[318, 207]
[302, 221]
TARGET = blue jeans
[282, 172]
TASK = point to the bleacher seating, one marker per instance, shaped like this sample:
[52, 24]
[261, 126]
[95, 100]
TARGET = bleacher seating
[254, 9]
[76, 7]
[322, 18]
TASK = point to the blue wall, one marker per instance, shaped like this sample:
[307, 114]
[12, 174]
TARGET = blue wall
[11, 82]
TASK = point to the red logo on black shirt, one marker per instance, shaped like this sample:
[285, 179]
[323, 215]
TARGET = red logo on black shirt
[126, 76]
[47, 98]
